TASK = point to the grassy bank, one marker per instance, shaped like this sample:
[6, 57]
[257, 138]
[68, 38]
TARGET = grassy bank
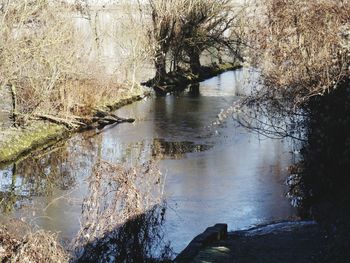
[18, 142]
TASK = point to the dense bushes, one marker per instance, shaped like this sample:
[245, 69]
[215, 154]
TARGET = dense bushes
[302, 47]
[325, 181]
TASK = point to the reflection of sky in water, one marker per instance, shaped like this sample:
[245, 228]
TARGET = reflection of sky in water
[7, 182]
[239, 180]
[229, 83]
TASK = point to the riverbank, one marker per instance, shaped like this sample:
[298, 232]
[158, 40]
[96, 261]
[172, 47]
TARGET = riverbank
[290, 241]
[176, 119]
[178, 80]
[16, 142]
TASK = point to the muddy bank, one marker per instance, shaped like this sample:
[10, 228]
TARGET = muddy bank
[178, 80]
[291, 241]
[18, 142]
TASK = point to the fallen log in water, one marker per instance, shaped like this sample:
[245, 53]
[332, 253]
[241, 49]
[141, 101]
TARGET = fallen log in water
[99, 119]
[70, 123]
[33, 133]
[102, 118]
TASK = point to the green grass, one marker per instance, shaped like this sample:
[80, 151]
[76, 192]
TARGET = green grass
[20, 141]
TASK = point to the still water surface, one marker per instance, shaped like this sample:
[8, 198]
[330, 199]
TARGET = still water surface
[213, 173]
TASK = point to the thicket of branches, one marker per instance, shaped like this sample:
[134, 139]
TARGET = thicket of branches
[122, 215]
[34, 53]
[302, 47]
[47, 66]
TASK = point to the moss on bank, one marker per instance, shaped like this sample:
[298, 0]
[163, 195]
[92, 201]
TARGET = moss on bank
[125, 99]
[18, 142]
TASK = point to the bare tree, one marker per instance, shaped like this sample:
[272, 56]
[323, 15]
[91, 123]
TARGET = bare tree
[183, 29]
[207, 25]
[162, 31]
[47, 65]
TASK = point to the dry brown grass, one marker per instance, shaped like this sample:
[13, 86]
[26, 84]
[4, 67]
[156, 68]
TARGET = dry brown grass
[302, 47]
[44, 60]
[36, 52]
[39, 246]
[84, 95]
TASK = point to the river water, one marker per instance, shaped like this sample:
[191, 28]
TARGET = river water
[213, 172]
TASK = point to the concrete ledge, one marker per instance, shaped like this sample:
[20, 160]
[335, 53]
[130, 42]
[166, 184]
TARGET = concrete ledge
[210, 235]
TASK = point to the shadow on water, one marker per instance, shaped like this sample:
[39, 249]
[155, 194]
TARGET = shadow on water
[319, 181]
[162, 149]
[140, 239]
[122, 211]
[123, 215]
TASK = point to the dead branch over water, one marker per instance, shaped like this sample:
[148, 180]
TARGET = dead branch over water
[118, 195]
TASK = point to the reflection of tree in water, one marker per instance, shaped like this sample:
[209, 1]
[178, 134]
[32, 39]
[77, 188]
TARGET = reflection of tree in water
[37, 177]
[8, 198]
[162, 149]
[43, 173]
[193, 90]
[123, 216]
[173, 115]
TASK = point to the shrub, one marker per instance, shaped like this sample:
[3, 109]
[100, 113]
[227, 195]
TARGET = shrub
[302, 47]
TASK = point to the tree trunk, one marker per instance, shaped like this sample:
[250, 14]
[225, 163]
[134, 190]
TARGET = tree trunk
[195, 63]
[160, 65]
[14, 103]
